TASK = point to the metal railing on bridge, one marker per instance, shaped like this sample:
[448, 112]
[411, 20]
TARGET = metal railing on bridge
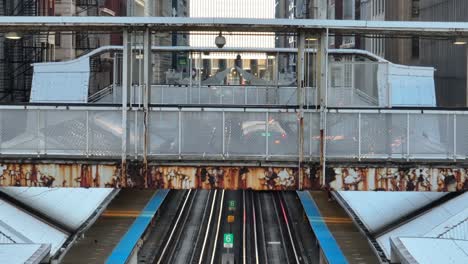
[236, 95]
[351, 84]
[232, 133]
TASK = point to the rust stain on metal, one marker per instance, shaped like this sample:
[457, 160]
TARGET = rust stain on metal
[301, 151]
[322, 156]
[145, 144]
[137, 175]
[123, 170]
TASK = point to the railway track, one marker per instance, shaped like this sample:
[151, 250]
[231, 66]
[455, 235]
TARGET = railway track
[191, 237]
[166, 254]
[264, 230]
[270, 234]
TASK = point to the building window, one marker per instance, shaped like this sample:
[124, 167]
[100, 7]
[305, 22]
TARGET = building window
[415, 8]
[58, 35]
[374, 8]
[382, 47]
[58, 38]
[415, 47]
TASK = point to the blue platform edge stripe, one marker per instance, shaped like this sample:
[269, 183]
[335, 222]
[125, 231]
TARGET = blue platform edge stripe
[127, 243]
[327, 242]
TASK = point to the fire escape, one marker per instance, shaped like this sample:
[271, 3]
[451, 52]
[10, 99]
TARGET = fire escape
[17, 55]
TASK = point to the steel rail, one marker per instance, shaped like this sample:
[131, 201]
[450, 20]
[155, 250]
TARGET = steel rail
[168, 241]
[208, 228]
[262, 230]
[170, 257]
[285, 216]
[215, 242]
[278, 218]
[200, 230]
[254, 218]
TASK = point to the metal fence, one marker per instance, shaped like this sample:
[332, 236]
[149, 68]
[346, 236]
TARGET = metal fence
[78, 131]
[223, 134]
[229, 133]
[215, 95]
[350, 84]
[358, 84]
[391, 134]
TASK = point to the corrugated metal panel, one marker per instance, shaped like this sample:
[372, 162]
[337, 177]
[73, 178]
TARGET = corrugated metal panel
[411, 86]
[429, 250]
[427, 224]
[449, 60]
[459, 231]
[4, 239]
[368, 206]
[31, 227]
[61, 81]
[23, 253]
[83, 201]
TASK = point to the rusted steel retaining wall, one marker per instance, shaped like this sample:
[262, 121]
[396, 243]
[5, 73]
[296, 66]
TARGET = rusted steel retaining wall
[350, 177]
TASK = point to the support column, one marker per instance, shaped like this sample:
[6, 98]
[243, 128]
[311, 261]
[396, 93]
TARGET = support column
[321, 9]
[126, 84]
[114, 77]
[130, 7]
[322, 69]
[466, 61]
[322, 82]
[149, 8]
[147, 81]
[300, 99]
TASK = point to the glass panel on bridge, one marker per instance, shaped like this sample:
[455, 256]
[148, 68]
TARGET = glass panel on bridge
[202, 133]
[164, 133]
[383, 135]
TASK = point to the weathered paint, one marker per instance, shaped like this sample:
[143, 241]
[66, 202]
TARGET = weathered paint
[399, 179]
[424, 178]
[59, 175]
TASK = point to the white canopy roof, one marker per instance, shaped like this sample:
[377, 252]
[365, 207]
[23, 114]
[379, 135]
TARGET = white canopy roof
[447, 220]
[70, 207]
[429, 250]
[23, 253]
[23, 227]
[378, 209]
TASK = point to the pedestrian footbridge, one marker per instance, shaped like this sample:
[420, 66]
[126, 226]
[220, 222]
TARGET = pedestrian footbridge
[235, 148]
[232, 133]
[372, 126]
[260, 118]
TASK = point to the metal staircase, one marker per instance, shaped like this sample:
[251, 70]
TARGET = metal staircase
[24, 8]
[16, 56]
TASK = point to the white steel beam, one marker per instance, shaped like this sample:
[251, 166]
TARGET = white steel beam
[126, 84]
[434, 29]
[300, 99]
[148, 72]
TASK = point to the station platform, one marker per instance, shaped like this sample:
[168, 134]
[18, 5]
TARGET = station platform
[103, 236]
[352, 242]
[123, 251]
[340, 240]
